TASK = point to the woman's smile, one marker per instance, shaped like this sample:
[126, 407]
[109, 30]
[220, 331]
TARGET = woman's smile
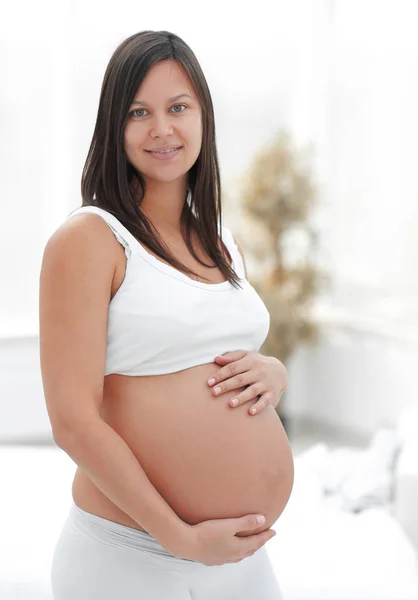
[165, 155]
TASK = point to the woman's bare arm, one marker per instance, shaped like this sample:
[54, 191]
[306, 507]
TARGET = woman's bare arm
[75, 288]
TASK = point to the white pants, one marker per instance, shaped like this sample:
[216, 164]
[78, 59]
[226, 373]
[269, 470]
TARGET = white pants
[98, 558]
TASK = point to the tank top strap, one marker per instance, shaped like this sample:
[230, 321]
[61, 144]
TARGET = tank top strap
[122, 234]
[131, 244]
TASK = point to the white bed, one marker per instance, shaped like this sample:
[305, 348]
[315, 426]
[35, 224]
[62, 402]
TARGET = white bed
[320, 552]
[325, 552]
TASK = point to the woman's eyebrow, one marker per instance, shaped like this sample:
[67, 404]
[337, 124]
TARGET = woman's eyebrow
[144, 103]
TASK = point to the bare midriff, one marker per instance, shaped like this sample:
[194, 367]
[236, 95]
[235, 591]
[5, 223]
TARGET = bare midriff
[207, 459]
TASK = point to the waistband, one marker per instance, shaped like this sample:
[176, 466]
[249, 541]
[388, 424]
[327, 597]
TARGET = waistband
[117, 534]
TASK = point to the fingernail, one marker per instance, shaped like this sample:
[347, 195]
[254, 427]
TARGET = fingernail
[261, 519]
[211, 381]
[234, 402]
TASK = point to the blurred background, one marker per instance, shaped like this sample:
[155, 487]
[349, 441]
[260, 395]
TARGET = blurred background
[315, 106]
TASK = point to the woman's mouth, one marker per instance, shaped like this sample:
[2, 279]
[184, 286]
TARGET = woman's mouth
[165, 154]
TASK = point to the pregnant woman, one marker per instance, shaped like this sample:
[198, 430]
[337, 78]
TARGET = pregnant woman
[144, 301]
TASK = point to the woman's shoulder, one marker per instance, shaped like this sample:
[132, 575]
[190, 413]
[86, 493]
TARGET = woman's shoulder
[76, 239]
[100, 222]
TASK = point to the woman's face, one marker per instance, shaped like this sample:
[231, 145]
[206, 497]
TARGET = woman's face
[164, 112]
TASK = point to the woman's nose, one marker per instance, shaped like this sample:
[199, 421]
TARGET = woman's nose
[161, 126]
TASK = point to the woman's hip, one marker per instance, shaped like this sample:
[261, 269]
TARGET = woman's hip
[98, 558]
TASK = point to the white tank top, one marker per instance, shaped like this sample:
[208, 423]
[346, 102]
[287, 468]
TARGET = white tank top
[161, 321]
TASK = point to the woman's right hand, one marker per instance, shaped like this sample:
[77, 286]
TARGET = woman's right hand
[215, 542]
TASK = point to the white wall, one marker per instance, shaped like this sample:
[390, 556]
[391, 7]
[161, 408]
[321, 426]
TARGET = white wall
[363, 372]
[373, 128]
[23, 414]
[353, 380]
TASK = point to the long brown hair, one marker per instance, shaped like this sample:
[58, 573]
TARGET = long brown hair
[109, 180]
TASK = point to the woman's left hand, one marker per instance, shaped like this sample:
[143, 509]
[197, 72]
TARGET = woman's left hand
[265, 376]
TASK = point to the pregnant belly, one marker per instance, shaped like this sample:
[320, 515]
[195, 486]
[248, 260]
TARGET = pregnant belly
[207, 459]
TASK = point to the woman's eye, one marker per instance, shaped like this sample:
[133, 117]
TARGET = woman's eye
[133, 113]
[176, 105]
